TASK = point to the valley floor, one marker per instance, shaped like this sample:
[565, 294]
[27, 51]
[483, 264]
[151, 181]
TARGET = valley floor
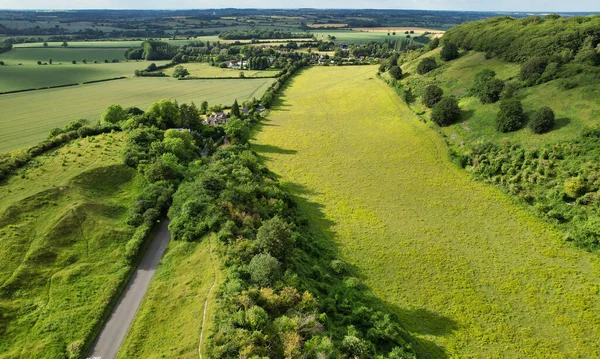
[469, 273]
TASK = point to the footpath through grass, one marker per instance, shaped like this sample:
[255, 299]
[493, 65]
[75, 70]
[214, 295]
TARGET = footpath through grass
[62, 241]
[469, 273]
[168, 322]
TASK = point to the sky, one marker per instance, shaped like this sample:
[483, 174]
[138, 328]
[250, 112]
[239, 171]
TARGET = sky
[472, 5]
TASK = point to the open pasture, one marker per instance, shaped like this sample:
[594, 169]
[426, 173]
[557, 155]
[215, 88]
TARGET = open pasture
[470, 274]
[200, 69]
[14, 77]
[62, 243]
[28, 117]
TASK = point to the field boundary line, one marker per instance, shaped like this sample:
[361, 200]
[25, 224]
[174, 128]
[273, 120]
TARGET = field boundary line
[207, 298]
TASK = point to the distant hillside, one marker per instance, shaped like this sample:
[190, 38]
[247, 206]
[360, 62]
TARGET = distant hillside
[560, 39]
[528, 114]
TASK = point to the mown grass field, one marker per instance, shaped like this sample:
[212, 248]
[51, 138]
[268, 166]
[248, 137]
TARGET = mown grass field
[168, 323]
[30, 56]
[14, 77]
[62, 237]
[200, 69]
[28, 117]
[470, 274]
[574, 108]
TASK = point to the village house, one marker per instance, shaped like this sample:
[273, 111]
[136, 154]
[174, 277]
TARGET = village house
[219, 118]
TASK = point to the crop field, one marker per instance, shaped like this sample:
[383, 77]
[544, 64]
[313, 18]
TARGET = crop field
[62, 239]
[469, 273]
[14, 77]
[30, 56]
[169, 320]
[118, 44]
[200, 69]
[575, 108]
[28, 117]
[357, 36]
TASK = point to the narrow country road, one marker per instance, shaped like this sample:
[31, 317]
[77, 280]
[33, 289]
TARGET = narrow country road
[112, 335]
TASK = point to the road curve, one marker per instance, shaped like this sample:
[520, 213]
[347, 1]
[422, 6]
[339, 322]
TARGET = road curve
[111, 337]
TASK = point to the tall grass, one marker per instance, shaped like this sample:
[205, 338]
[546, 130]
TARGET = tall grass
[469, 273]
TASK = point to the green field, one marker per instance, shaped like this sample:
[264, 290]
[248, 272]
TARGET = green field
[356, 36]
[62, 240]
[168, 323]
[200, 69]
[575, 108]
[28, 117]
[470, 274]
[30, 56]
[14, 77]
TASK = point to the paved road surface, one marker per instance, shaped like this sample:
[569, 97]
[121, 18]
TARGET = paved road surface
[112, 335]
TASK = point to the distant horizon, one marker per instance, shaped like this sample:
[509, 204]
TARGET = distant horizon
[511, 6]
[301, 8]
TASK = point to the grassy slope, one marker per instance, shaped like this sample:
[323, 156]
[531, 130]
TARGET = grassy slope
[14, 77]
[168, 323]
[575, 108]
[28, 117]
[205, 70]
[467, 271]
[62, 234]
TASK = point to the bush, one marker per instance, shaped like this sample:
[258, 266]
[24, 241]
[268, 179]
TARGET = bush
[543, 120]
[449, 52]
[446, 112]
[180, 72]
[486, 87]
[510, 117]
[264, 269]
[275, 238]
[533, 69]
[114, 114]
[396, 72]
[574, 187]
[426, 65]
[433, 44]
[433, 94]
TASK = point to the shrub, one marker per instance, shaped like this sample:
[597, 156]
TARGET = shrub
[426, 65]
[396, 72]
[486, 87]
[433, 94]
[574, 187]
[510, 117]
[433, 44]
[449, 52]
[264, 269]
[180, 72]
[275, 237]
[533, 69]
[446, 112]
[543, 120]
[114, 114]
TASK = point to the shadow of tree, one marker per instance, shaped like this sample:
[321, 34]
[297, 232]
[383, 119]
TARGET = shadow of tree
[415, 322]
[272, 149]
[325, 246]
[560, 123]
